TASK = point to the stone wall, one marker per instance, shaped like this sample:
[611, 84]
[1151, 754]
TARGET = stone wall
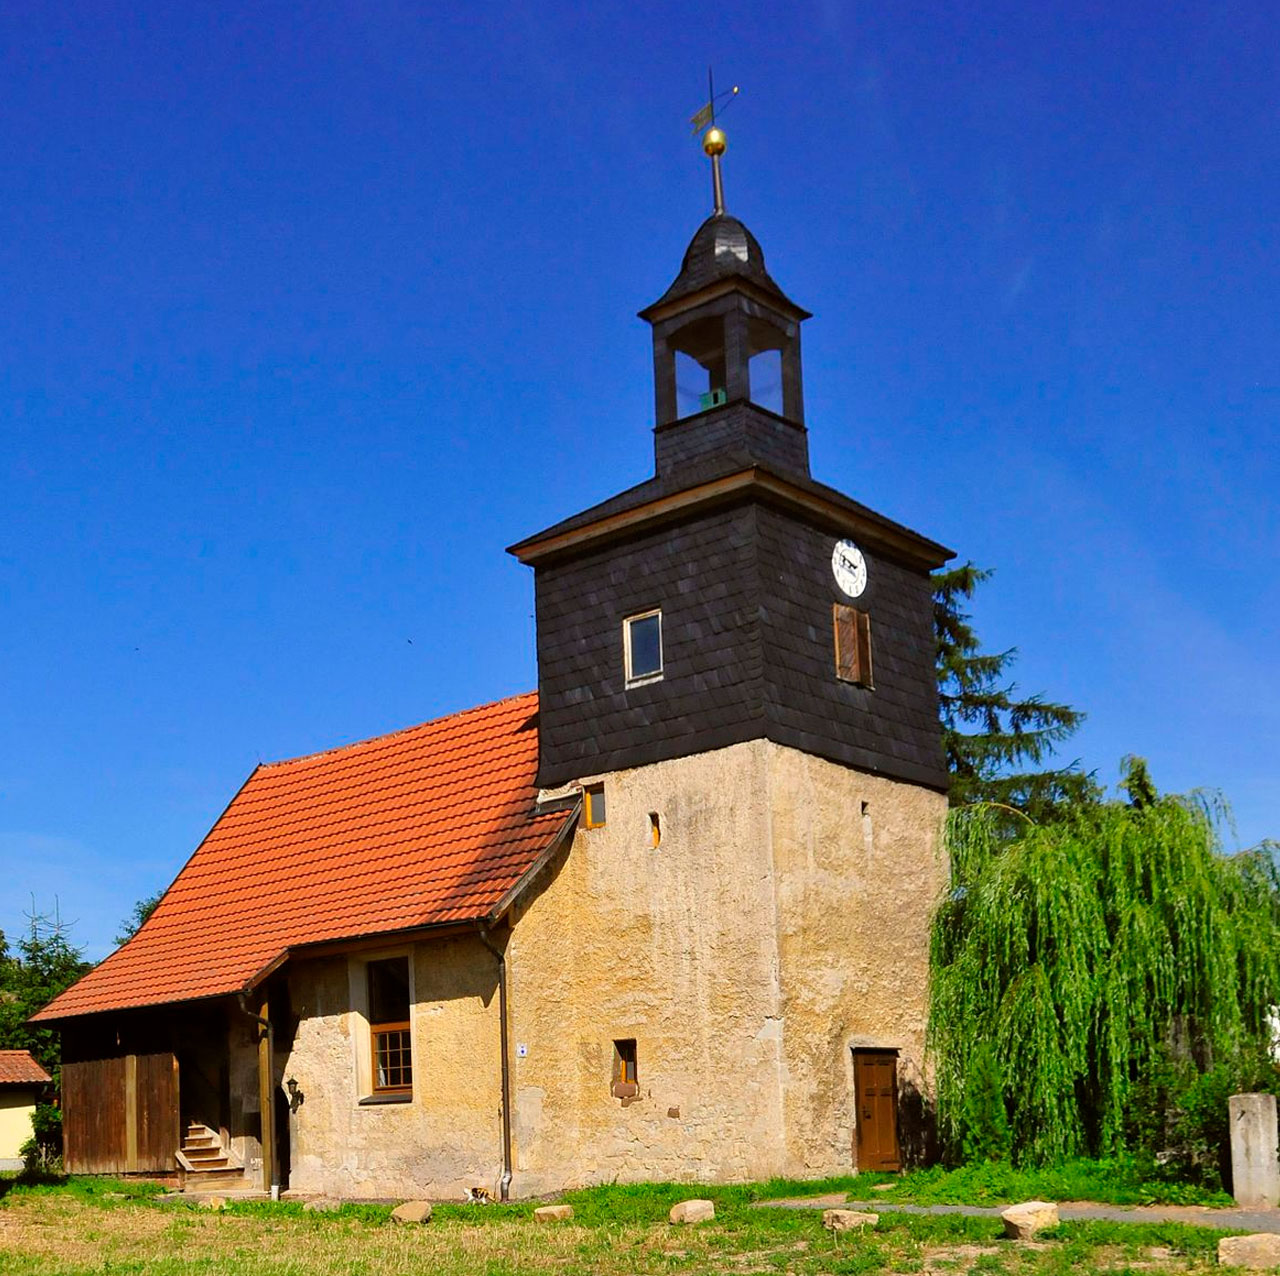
[448, 1136]
[859, 868]
[780, 922]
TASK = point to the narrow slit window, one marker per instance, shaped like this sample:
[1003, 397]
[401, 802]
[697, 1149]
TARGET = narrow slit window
[853, 644]
[626, 1080]
[593, 805]
[655, 830]
[642, 647]
[389, 1028]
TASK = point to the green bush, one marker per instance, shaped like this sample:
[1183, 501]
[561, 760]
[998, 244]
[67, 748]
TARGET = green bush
[984, 1122]
[1179, 1115]
[42, 1153]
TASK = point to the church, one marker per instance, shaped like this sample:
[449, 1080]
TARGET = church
[664, 918]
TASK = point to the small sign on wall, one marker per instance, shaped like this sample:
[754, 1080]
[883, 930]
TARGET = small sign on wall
[522, 1050]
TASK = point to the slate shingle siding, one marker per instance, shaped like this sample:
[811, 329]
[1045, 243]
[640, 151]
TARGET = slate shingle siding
[702, 576]
[744, 431]
[746, 595]
[892, 729]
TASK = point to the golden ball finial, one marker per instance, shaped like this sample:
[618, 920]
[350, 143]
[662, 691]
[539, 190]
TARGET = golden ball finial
[714, 141]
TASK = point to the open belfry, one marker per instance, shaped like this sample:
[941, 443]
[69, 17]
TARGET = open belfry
[667, 918]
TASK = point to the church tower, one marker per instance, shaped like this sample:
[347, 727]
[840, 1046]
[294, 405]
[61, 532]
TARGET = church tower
[731, 597]
[736, 678]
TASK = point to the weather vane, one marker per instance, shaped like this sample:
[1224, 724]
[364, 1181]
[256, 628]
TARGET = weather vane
[713, 140]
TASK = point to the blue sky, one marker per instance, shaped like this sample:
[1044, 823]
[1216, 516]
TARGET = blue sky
[308, 311]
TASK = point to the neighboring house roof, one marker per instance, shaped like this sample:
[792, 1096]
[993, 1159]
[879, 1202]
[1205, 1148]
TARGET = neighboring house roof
[429, 826]
[17, 1067]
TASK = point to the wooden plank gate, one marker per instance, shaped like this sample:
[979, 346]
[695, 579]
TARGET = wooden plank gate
[120, 1114]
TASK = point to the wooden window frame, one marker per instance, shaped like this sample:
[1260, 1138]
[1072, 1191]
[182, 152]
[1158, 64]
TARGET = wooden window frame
[626, 1070]
[588, 818]
[656, 675]
[852, 631]
[377, 1030]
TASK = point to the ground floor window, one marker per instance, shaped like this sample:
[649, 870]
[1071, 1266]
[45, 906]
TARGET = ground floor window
[391, 1039]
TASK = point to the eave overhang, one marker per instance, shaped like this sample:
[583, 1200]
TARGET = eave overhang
[664, 308]
[350, 943]
[834, 512]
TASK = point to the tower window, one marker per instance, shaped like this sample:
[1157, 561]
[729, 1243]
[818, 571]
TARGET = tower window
[698, 352]
[764, 377]
[655, 830]
[626, 1082]
[642, 647]
[593, 805]
[853, 644]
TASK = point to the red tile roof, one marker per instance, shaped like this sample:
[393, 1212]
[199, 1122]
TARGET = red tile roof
[428, 826]
[17, 1067]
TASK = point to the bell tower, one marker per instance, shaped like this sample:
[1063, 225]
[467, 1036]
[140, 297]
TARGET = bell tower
[730, 597]
[726, 341]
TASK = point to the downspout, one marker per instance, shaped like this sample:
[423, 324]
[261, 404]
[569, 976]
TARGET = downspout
[504, 1184]
[269, 1089]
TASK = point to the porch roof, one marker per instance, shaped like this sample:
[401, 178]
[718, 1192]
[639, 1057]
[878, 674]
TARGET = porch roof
[432, 825]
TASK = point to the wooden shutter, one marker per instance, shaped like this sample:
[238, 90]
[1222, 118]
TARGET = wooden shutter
[853, 644]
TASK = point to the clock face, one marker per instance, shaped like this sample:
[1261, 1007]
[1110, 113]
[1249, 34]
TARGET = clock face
[849, 568]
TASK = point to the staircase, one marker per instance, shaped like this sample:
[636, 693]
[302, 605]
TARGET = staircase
[205, 1165]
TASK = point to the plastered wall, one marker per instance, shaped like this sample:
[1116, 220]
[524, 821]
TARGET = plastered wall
[780, 922]
[16, 1107]
[448, 1137]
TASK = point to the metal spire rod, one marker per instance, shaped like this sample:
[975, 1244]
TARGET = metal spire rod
[717, 185]
[713, 140]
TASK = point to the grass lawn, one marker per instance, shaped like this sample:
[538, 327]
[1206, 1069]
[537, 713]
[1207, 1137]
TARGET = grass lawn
[1114, 1182]
[97, 1226]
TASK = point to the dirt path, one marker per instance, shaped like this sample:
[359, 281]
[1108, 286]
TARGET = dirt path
[1068, 1211]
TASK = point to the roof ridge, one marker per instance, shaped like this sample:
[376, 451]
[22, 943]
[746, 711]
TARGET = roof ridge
[400, 731]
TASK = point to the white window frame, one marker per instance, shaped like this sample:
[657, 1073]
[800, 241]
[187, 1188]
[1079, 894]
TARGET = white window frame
[639, 680]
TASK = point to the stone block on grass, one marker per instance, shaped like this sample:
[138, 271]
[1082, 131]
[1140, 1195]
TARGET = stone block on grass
[1259, 1252]
[1022, 1222]
[412, 1212]
[848, 1220]
[552, 1213]
[692, 1212]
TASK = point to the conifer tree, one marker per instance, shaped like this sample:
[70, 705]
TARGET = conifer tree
[133, 923]
[996, 740]
[45, 964]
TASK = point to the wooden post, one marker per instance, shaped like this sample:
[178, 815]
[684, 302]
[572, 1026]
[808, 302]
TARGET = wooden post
[131, 1113]
[266, 1099]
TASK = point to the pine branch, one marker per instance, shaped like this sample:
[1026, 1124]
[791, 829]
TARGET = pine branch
[991, 732]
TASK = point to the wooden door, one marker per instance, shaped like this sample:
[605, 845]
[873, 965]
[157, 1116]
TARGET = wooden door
[875, 1084]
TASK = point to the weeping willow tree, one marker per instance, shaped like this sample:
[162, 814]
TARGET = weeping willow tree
[1084, 950]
